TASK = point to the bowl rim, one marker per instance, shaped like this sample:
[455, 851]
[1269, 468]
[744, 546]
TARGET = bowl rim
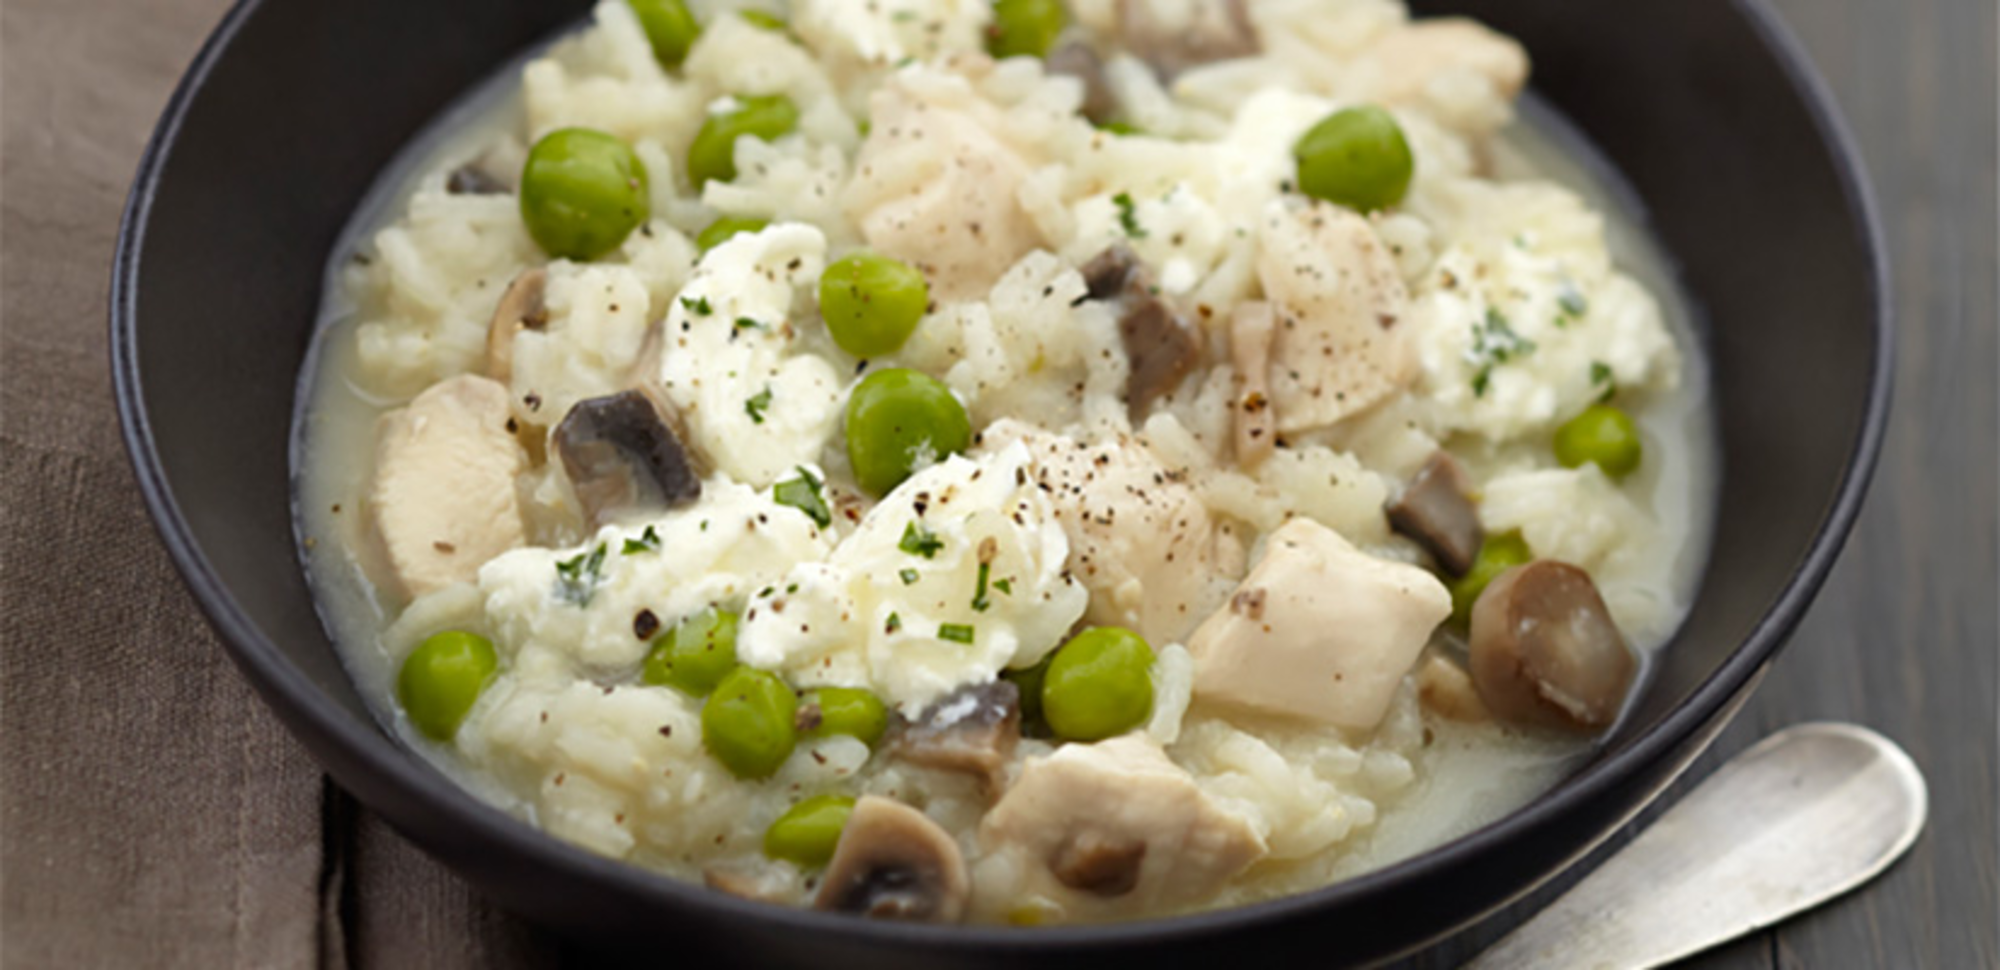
[280, 681]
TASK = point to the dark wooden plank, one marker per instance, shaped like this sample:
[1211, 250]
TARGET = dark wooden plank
[1904, 636]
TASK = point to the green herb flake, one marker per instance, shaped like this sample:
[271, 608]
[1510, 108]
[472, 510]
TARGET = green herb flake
[895, 623]
[955, 632]
[745, 323]
[1571, 300]
[648, 541]
[1494, 342]
[756, 406]
[980, 601]
[903, 16]
[577, 578]
[919, 541]
[699, 306]
[1004, 585]
[908, 576]
[1601, 376]
[803, 493]
[1128, 217]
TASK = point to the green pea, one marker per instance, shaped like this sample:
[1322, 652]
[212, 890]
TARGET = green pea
[871, 303]
[1603, 434]
[1496, 555]
[1357, 158]
[713, 154]
[443, 678]
[898, 421]
[1100, 684]
[850, 711]
[808, 832]
[695, 655]
[1029, 680]
[1025, 27]
[765, 20]
[670, 28]
[722, 230]
[747, 723]
[582, 193]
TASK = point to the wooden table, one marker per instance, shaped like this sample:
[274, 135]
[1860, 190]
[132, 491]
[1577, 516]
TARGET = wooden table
[1903, 639]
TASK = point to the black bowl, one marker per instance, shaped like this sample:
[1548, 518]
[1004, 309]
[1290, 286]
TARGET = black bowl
[292, 108]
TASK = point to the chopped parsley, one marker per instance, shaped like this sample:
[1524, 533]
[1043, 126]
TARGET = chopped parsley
[577, 578]
[1128, 217]
[802, 493]
[648, 541]
[908, 576]
[757, 405]
[1571, 300]
[1601, 376]
[903, 16]
[895, 623]
[745, 323]
[1494, 342]
[699, 306]
[1004, 586]
[980, 601]
[919, 541]
[955, 632]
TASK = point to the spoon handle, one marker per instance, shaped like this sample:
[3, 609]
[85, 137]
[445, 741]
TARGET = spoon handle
[1807, 814]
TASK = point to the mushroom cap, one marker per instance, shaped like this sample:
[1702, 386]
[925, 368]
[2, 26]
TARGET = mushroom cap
[627, 450]
[1545, 651]
[521, 307]
[893, 862]
[1436, 511]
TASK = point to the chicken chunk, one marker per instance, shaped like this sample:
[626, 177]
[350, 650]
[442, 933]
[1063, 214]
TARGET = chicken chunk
[935, 187]
[1341, 344]
[1174, 35]
[1141, 541]
[1118, 823]
[1435, 64]
[1115, 827]
[443, 500]
[1319, 630]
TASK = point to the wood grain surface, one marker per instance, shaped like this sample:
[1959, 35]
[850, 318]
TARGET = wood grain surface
[1905, 638]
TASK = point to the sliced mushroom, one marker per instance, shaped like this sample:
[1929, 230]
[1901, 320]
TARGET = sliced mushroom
[893, 862]
[627, 451]
[522, 307]
[1251, 329]
[1095, 863]
[1545, 651]
[1079, 60]
[971, 730]
[1445, 687]
[472, 179]
[1436, 511]
[1172, 37]
[1161, 347]
[1104, 276]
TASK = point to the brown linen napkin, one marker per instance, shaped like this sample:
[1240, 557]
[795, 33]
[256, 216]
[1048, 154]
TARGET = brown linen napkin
[152, 813]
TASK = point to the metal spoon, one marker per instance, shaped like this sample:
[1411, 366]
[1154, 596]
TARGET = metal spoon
[1806, 815]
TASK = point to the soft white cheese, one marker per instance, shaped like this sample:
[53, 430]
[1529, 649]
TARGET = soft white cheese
[757, 404]
[1521, 322]
[878, 615]
[720, 550]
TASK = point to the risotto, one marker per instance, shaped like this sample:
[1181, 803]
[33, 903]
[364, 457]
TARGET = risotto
[1014, 462]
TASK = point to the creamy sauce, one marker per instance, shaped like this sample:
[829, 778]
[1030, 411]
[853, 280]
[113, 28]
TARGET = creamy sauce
[1468, 776]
